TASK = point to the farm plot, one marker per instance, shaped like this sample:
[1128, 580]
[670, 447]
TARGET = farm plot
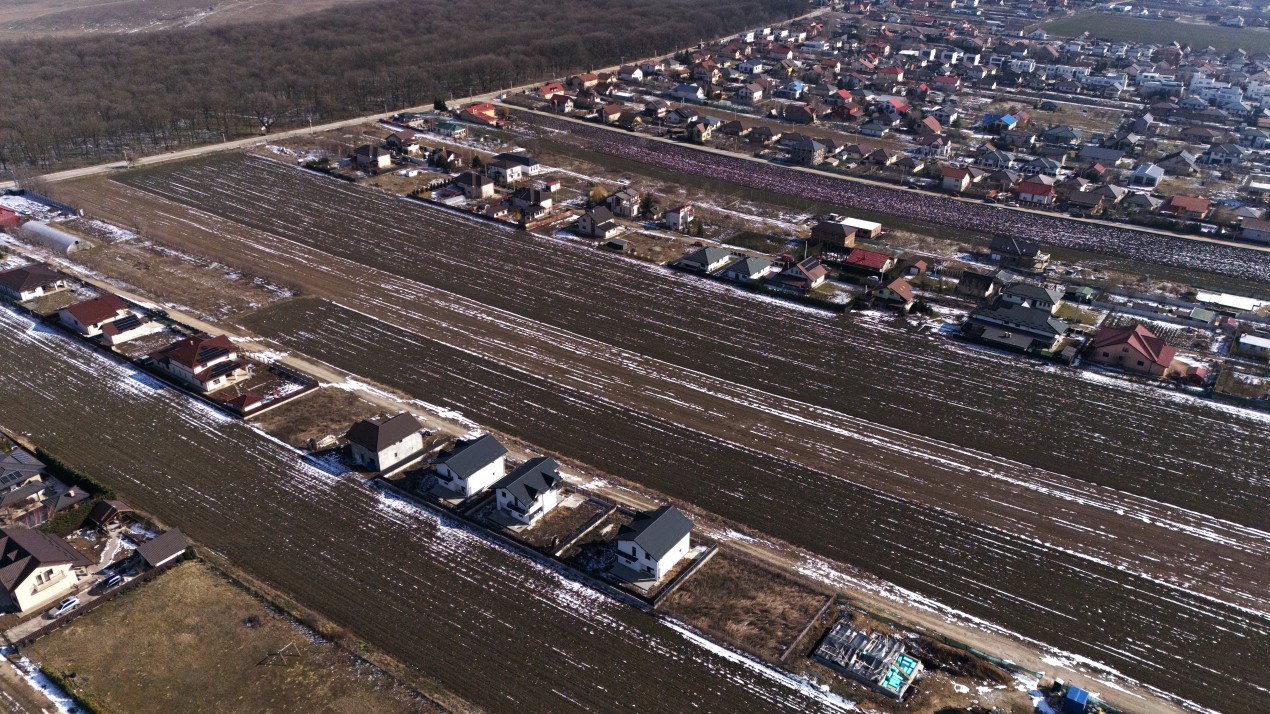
[1019, 584]
[432, 594]
[965, 397]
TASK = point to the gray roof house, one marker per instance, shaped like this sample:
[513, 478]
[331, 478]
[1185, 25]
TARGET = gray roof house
[472, 465]
[706, 260]
[18, 467]
[531, 491]
[652, 543]
[382, 444]
[1146, 175]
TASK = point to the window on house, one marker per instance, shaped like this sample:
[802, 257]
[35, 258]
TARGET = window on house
[1141, 363]
[1106, 354]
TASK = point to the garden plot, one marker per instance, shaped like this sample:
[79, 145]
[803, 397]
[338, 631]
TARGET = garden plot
[190, 622]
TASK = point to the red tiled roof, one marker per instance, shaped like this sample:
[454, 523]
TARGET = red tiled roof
[195, 351]
[1189, 203]
[868, 259]
[1138, 338]
[900, 287]
[98, 310]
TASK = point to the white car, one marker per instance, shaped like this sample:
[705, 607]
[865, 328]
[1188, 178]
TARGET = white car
[63, 607]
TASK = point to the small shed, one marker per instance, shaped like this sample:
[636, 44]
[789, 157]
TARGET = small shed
[164, 548]
[107, 512]
[617, 244]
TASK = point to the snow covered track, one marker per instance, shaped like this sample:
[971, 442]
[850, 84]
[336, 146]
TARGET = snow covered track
[460, 608]
[1103, 519]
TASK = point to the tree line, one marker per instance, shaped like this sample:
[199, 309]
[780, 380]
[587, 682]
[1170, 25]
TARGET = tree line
[101, 98]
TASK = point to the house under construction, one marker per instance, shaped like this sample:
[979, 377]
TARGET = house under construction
[875, 659]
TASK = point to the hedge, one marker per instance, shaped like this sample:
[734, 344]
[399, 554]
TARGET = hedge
[83, 701]
[70, 521]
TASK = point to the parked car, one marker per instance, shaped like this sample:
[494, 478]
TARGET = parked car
[989, 199]
[108, 583]
[1012, 204]
[63, 607]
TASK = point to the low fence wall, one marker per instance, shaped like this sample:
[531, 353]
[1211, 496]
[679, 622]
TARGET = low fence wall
[111, 595]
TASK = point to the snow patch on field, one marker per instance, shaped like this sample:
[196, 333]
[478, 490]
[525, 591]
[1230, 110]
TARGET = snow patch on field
[30, 672]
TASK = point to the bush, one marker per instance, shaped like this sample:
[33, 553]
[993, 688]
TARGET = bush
[83, 701]
[68, 522]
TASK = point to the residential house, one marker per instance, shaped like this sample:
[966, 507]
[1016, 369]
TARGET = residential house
[706, 260]
[405, 141]
[679, 219]
[1187, 207]
[372, 157]
[530, 491]
[1146, 176]
[598, 223]
[504, 172]
[808, 152]
[898, 292]
[380, 445]
[1036, 297]
[1179, 163]
[653, 543]
[32, 281]
[1140, 201]
[202, 363]
[1133, 349]
[108, 512]
[700, 131]
[869, 262]
[976, 285]
[1224, 155]
[624, 203]
[1016, 324]
[475, 185]
[471, 466]
[1253, 346]
[1037, 190]
[750, 93]
[164, 548]
[1255, 229]
[748, 269]
[1020, 254]
[804, 274]
[530, 165]
[485, 114]
[88, 317]
[1062, 135]
[688, 93]
[37, 568]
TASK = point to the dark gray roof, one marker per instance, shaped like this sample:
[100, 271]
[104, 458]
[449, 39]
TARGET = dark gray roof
[377, 436]
[749, 265]
[70, 497]
[1014, 246]
[468, 457]
[600, 214]
[522, 159]
[17, 466]
[534, 477]
[23, 551]
[21, 493]
[657, 531]
[163, 547]
[1036, 320]
[29, 277]
[1028, 291]
[706, 256]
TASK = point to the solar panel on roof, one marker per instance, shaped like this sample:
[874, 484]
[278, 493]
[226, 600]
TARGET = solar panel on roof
[206, 354]
[130, 322]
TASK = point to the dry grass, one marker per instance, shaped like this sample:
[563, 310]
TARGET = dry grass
[181, 643]
[560, 523]
[326, 411]
[747, 604]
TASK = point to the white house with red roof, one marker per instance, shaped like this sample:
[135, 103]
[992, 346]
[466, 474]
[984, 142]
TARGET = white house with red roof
[88, 317]
[1037, 189]
[679, 219]
[868, 261]
[202, 363]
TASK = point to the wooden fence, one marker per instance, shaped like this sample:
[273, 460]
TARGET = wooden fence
[101, 600]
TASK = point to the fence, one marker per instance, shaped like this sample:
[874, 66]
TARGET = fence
[810, 623]
[682, 578]
[101, 600]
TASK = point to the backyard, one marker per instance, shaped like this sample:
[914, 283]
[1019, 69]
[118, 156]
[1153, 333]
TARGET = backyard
[151, 650]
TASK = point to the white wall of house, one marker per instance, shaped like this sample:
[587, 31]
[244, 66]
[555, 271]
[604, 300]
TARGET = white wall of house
[394, 454]
[541, 506]
[44, 586]
[477, 482]
[636, 558]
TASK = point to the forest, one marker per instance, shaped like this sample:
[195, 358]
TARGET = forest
[84, 100]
